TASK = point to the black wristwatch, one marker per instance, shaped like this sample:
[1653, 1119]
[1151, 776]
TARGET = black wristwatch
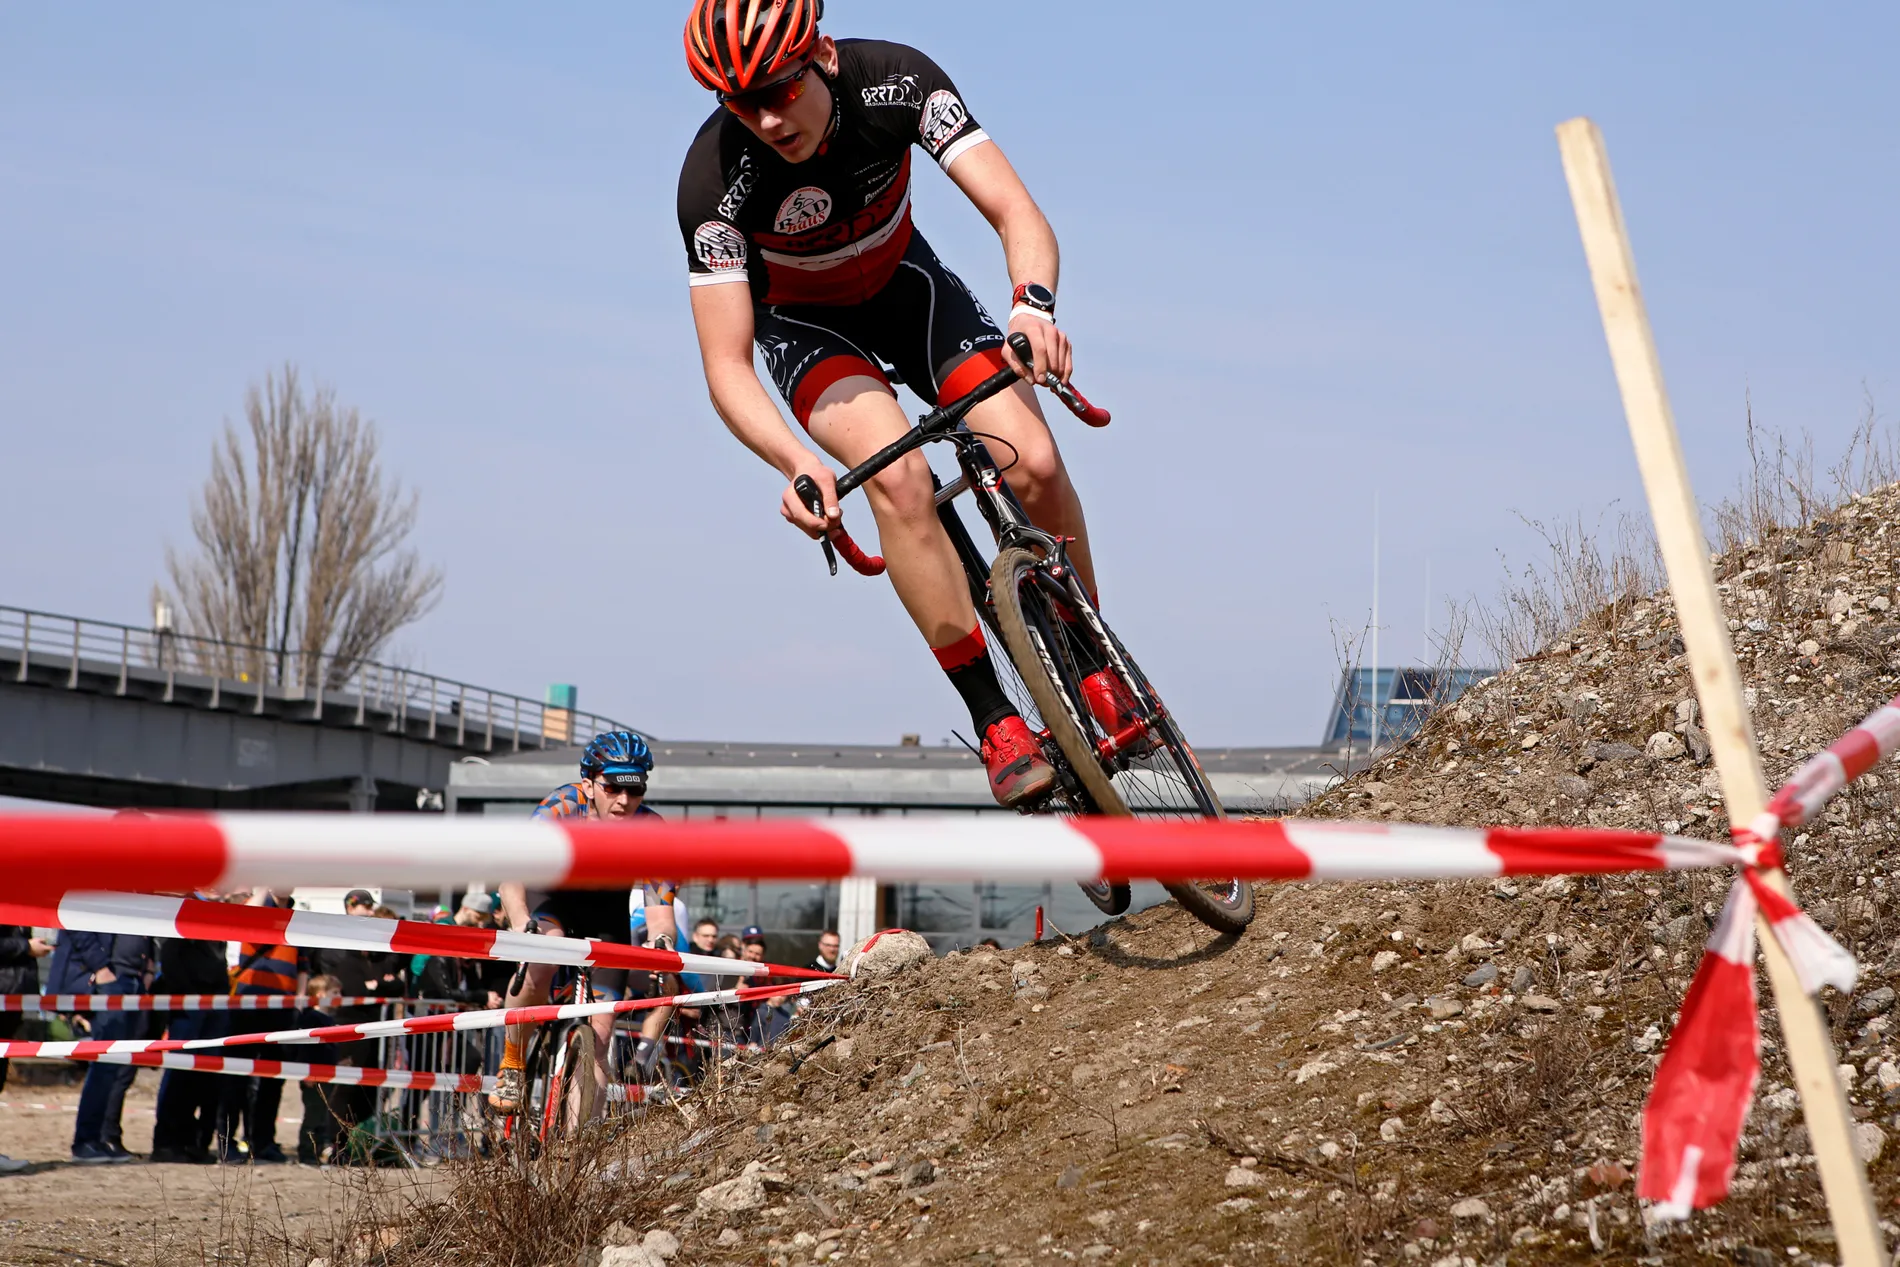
[1036, 295]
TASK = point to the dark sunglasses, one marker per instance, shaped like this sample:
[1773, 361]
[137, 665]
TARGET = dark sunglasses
[775, 97]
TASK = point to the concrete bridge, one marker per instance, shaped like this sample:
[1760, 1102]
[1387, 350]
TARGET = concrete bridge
[102, 714]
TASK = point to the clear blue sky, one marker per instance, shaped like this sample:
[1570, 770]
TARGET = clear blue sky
[1309, 252]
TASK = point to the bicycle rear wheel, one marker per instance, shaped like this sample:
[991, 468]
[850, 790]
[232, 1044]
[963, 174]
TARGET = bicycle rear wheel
[1166, 780]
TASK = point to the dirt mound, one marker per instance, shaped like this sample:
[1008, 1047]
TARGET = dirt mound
[1448, 1073]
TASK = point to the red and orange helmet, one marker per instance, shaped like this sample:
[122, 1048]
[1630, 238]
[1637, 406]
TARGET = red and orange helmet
[733, 45]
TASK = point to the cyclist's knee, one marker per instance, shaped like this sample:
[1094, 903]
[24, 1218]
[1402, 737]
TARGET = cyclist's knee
[1038, 477]
[902, 490]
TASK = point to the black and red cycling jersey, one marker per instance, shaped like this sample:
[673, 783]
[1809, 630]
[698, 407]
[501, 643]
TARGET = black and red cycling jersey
[834, 229]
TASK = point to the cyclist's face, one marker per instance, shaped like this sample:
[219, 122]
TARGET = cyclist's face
[610, 801]
[798, 129]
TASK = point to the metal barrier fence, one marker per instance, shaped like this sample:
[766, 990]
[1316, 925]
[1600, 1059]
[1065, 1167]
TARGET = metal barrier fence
[426, 1127]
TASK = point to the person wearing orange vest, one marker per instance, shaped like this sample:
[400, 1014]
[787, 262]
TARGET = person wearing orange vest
[252, 1102]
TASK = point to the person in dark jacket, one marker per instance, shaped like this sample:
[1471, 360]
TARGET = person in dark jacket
[76, 958]
[250, 1104]
[20, 953]
[187, 1098]
[357, 972]
[97, 1132]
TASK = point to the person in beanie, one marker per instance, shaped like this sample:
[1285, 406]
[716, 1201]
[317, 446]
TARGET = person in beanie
[20, 953]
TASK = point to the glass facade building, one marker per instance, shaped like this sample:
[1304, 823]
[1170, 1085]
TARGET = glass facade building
[1404, 698]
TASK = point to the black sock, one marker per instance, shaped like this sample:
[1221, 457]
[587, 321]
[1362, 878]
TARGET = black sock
[967, 664]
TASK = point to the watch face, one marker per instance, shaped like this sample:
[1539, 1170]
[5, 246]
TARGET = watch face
[1037, 295]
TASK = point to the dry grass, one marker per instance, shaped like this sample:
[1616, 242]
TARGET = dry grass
[1591, 574]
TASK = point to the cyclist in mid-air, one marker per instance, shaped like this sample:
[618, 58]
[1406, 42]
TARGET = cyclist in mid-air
[795, 207]
[614, 769]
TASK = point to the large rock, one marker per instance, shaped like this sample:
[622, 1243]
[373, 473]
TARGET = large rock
[1663, 746]
[630, 1256]
[734, 1196]
[885, 954]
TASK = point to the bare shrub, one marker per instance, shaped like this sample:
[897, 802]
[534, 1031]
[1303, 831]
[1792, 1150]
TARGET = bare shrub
[1585, 581]
[302, 557]
[1780, 491]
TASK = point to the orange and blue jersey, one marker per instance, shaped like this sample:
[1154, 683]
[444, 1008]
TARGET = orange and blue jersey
[566, 801]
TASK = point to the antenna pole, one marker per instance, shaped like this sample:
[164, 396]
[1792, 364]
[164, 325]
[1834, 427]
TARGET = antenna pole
[1375, 625]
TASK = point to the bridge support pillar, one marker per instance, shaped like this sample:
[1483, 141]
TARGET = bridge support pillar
[363, 795]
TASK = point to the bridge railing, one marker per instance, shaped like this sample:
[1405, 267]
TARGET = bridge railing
[310, 685]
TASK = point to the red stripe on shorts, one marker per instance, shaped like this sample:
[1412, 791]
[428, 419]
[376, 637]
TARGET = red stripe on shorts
[820, 378]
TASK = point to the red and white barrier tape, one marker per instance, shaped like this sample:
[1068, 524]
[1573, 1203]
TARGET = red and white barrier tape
[294, 1071]
[1825, 774]
[709, 1044]
[138, 914]
[198, 1002]
[1692, 1122]
[48, 858]
[449, 1022]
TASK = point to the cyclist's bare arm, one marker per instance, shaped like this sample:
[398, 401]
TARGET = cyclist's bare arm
[723, 317]
[1029, 244]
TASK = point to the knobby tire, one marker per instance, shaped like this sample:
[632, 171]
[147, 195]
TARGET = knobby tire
[1029, 627]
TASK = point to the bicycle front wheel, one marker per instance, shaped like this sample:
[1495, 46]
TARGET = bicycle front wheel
[574, 1101]
[1155, 774]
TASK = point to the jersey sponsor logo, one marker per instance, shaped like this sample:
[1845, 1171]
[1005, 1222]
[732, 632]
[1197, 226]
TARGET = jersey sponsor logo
[719, 246]
[896, 90]
[943, 116]
[739, 190]
[803, 209]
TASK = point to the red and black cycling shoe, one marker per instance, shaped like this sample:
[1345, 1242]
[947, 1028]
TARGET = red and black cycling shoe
[1013, 755]
[1114, 708]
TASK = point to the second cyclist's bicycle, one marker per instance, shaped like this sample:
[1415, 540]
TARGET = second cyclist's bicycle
[1030, 597]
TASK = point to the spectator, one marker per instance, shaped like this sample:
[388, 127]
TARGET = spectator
[188, 1098]
[318, 1130]
[827, 960]
[356, 972]
[98, 1137]
[250, 1104]
[75, 959]
[19, 974]
[729, 947]
[477, 910]
[705, 936]
[455, 980]
[769, 1016]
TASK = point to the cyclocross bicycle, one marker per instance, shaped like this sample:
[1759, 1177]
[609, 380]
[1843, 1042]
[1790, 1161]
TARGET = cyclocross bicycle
[1022, 595]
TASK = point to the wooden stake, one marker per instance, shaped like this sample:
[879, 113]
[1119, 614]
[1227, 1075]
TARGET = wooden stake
[1712, 661]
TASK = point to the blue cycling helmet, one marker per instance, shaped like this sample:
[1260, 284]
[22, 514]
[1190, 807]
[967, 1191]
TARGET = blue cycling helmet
[620, 754]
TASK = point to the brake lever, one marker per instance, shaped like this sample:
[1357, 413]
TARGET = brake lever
[1075, 401]
[807, 489]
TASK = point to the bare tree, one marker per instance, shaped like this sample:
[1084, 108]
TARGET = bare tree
[301, 537]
